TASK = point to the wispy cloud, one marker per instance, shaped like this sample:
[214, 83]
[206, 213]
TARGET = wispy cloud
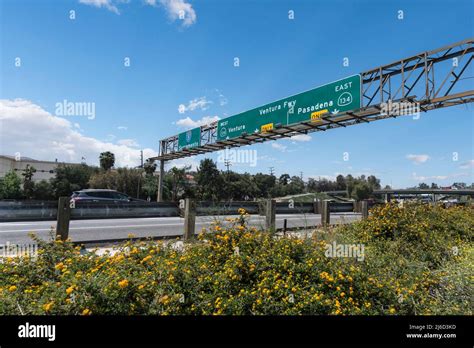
[122, 128]
[200, 103]
[467, 165]
[177, 9]
[128, 142]
[301, 137]
[437, 177]
[417, 159]
[279, 147]
[108, 4]
[190, 123]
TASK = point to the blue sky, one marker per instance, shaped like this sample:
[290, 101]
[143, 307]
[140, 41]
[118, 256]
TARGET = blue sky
[190, 62]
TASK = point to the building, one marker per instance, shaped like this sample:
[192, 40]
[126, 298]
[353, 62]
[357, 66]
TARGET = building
[45, 170]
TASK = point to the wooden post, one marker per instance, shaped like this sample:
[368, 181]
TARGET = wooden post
[63, 217]
[365, 209]
[189, 218]
[270, 211]
[316, 206]
[354, 206]
[326, 213]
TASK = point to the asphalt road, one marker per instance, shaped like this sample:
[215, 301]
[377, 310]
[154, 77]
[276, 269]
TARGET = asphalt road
[85, 230]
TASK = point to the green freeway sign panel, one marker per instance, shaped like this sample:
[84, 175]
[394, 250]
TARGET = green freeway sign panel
[189, 139]
[332, 98]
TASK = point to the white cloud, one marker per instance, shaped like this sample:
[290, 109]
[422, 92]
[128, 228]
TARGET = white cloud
[128, 142]
[108, 4]
[300, 137]
[417, 159]
[183, 162]
[468, 164]
[34, 132]
[122, 128]
[437, 177]
[178, 10]
[198, 103]
[189, 123]
[279, 147]
[320, 177]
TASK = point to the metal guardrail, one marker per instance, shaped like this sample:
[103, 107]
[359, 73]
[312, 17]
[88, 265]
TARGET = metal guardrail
[47, 210]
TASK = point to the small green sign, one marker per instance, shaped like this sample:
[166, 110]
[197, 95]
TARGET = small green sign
[332, 98]
[189, 139]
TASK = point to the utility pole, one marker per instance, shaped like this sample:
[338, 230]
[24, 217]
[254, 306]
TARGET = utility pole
[272, 171]
[227, 163]
[141, 158]
[301, 176]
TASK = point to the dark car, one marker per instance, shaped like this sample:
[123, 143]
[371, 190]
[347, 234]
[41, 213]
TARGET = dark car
[100, 195]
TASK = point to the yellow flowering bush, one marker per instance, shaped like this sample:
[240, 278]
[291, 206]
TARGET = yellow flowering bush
[409, 267]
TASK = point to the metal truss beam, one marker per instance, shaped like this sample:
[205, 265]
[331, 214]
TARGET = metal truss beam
[432, 79]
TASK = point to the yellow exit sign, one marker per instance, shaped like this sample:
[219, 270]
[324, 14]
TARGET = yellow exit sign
[316, 116]
[266, 127]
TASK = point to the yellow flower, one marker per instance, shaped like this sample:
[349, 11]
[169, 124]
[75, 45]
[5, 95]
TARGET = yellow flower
[242, 211]
[145, 259]
[47, 306]
[12, 288]
[392, 310]
[123, 283]
[59, 266]
[69, 290]
[86, 311]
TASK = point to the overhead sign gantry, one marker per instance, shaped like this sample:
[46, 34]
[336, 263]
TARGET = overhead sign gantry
[431, 79]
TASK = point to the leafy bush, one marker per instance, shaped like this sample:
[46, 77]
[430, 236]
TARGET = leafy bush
[238, 270]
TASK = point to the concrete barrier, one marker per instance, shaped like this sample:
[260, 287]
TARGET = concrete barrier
[47, 210]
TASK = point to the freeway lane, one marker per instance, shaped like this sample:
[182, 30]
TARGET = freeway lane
[82, 230]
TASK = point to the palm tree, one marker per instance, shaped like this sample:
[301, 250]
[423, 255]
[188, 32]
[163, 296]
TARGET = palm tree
[107, 160]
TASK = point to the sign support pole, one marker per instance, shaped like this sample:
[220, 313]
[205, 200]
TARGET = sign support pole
[159, 195]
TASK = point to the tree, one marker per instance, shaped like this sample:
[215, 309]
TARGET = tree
[178, 181]
[340, 183]
[265, 183]
[210, 181]
[423, 186]
[362, 190]
[149, 166]
[124, 180]
[70, 178]
[284, 179]
[434, 186]
[296, 186]
[373, 182]
[350, 182]
[43, 191]
[107, 160]
[10, 186]
[28, 184]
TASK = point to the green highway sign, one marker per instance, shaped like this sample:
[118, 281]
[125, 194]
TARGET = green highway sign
[189, 139]
[332, 98]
